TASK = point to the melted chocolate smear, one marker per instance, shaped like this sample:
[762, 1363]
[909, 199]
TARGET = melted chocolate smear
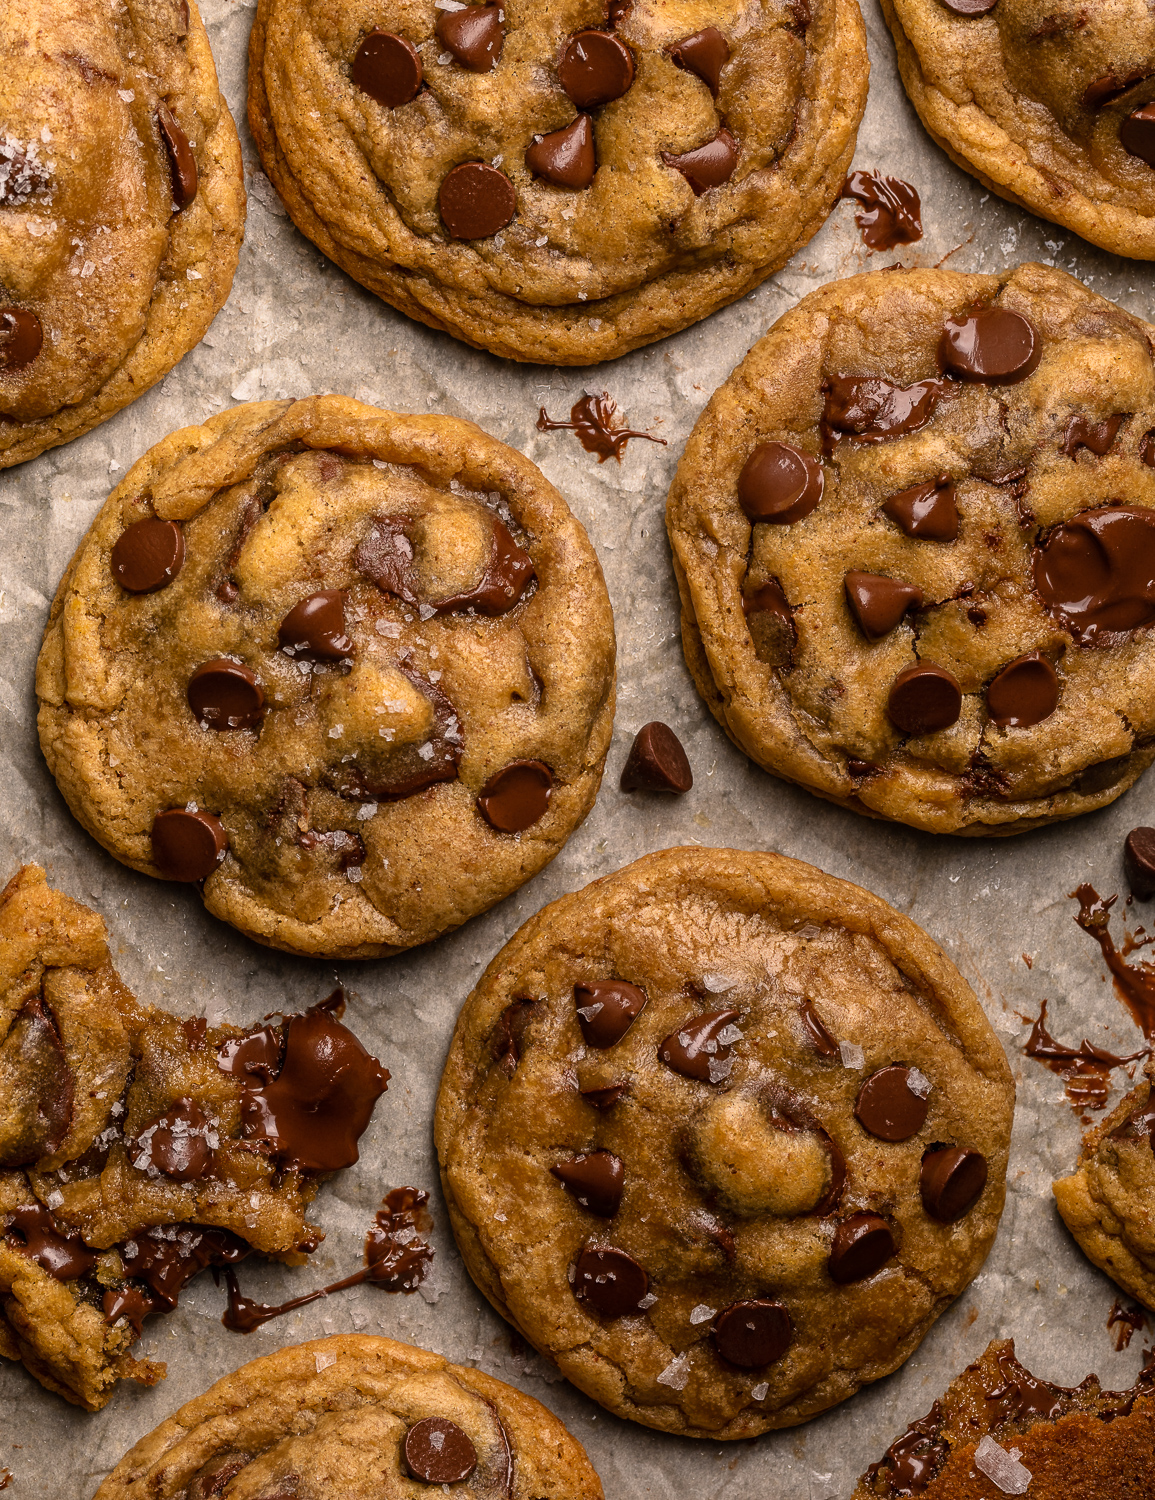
[591, 419]
[1096, 437]
[824, 1043]
[890, 212]
[605, 1098]
[1022, 1395]
[1123, 1323]
[387, 557]
[182, 163]
[165, 1259]
[176, 1143]
[21, 338]
[1095, 573]
[1085, 1070]
[34, 1049]
[402, 770]
[1134, 983]
[911, 1462]
[253, 1057]
[870, 408]
[54, 1250]
[315, 630]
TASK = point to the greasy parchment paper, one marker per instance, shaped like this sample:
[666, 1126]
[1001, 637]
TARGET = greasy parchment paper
[295, 325]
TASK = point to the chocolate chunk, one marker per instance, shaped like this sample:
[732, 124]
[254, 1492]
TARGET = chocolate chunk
[870, 408]
[148, 555]
[609, 1281]
[517, 796]
[779, 483]
[824, 1043]
[695, 1051]
[315, 628]
[1024, 693]
[187, 845]
[995, 345]
[1097, 437]
[476, 200]
[879, 603]
[474, 35]
[970, 7]
[1139, 862]
[1095, 573]
[38, 1085]
[437, 1451]
[387, 68]
[950, 1180]
[928, 511]
[182, 163]
[54, 1250]
[225, 694]
[21, 338]
[704, 53]
[596, 1180]
[888, 1107]
[605, 1098]
[707, 166]
[1103, 90]
[656, 762]
[386, 557]
[175, 1143]
[753, 1334]
[862, 1245]
[924, 699]
[890, 212]
[565, 157]
[595, 68]
[1137, 134]
[606, 1009]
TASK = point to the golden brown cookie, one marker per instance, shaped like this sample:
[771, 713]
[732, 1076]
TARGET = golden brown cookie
[551, 181]
[122, 207]
[723, 1136]
[353, 671]
[914, 535]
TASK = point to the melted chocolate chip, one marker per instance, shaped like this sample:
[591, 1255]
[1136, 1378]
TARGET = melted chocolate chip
[753, 1334]
[147, 555]
[1024, 693]
[175, 1143]
[996, 346]
[1095, 574]
[509, 1034]
[694, 1049]
[705, 54]
[912, 1461]
[924, 699]
[517, 796]
[609, 1281]
[596, 1180]
[225, 694]
[1103, 90]
[315, 628]
[951, 1181]
[862, 1245]
[870, 408]
[210, 1481]
[928, 511]
[396, 1257]
[606, 1009]
[476, 200]
[474, 35]
[256, 1056]
[387, 68]
[605, 1098]
[707, 166]
[824, 1043]
[656, 762]
[187, 845]
[182, 163]
[166, 1260]
[1137, 134]
[1139, 862]
[780, 484]
[1096, 437]
[21, 338]
[595, 68]
[769, 599]
[43, 1112]
[890, 212]
[54, 1250]
[565, 157]
[386, 556]
[437, 1451]
[1023, 1395]
[1147, 448]
[878, 603]
[888, 1107]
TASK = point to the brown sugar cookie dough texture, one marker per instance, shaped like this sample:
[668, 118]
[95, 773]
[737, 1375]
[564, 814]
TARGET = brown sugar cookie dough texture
[361, 1417]
[352, 672]
[914, 535]
[557, 182]
[1051, 105]
[723, 1136]
[122, 207]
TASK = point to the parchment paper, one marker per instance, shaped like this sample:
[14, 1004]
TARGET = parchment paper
[295, 325]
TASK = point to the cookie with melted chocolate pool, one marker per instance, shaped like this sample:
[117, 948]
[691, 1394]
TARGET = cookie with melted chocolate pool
[723, 1136]
[914, 536]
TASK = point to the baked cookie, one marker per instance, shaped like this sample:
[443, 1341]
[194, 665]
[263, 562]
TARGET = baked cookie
[722, 1136]
[370, 1415]
[122, 207]
[914, 536]
[557, 182]
[353, 671]
[999, 1430]
[138, 1147]
[1049, 103]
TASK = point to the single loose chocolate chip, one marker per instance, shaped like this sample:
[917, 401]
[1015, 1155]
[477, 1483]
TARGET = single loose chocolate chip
[182, 162]
[517, 796]
[1137, 134]
[474, 35]
[609, 1281]
[657, 762]
[879, 603]
[950, 1180]
[187, 845]
[924, 699]
[780, 483]
[1096, 572]
[21, 338]
[595, 68]
[888, 1107]
[995, 345]
[1096, 437]
[565, 157]
[604, 1098]
[870, 408]
[1024, 693]
[862, 1245]
[753, 1334]
[387, 68]
[175, 1143]
[695, 1051]
[596, 1180]
[476, 200]
[148, 555]
[928, 511]
[707, 166]
[225, 694]
[606, 1009]
[315, 628]
[437, 1451]
[1139, 863]
[705, 53]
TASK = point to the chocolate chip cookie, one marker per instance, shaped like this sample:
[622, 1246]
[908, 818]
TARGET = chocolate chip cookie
[1050, 105]
[723, 1136]
[557, 182]
[914, 535]
[122, 207]
[351, 673]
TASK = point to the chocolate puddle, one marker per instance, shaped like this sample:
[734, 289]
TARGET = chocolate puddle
[1134, 983]
[1123, 1323]
[1085, 1070]
[890, 211]
[590, 418]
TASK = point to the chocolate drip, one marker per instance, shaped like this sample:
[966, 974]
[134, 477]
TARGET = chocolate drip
[1085, 1070]
[591, 418]
[1023, 1396]
[1134, 983]
[890, 212]
[62, 1255]
[1124, 1323]
[165, 1260]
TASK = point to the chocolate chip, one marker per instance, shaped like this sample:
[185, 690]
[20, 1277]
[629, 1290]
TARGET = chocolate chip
[1139, 863]
[995, 345]
[1096, 572]
[753, 1334]
[387, 68]
[21, 338]
[1024, 693]
[1096, 437]
[315, 628]
[187, 845]
[605, 1098]
[707, 166]
[705, 53]
[769, 599]
[606, 1009]
[970, 7]
[779, 483]
[888, 1107]
[879, 603]
[1103, 90]
[507, 575]
[565, 157]
[476, 200]
[437, 1451]
[824, 1043]
[64, 1256]
[924, 699]
[517, 796]
[862, 1245]
[175, 1143]
[596, 1180]
[225, 694]
[656, 762]
[950, 1180]
[595, 68]
[474, 35]
[1137, 134]
[609, 1281]
[871, 408]
[182, 162]
[694, 1049]
[148, 555]
[926, 511]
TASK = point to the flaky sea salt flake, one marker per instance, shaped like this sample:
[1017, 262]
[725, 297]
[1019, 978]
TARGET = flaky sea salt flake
[918, 1083]
[852, 1055]
[1012, 1477]
[676, 1374]
[323, 1361]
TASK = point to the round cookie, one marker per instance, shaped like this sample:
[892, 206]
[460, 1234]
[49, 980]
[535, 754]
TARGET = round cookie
[723, 1136]
[381, 1417]
[557, 183]
[914, 535]
[1049, 105]
[122, 208]
[352, 670]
